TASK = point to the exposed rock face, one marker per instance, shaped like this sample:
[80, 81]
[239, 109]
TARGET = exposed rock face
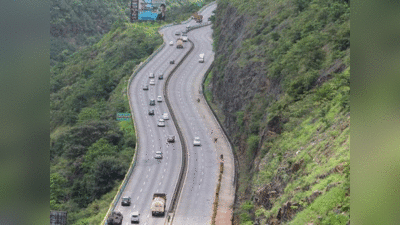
[233, 85]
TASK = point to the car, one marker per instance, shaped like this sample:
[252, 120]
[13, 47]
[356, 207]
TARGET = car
[152, 102]
[161, 123]
[126, 201]
[158, 155]
[151, 75]
[146, 87]
[171, 43]
[209, 18]
[196, 141]
[165, 116]
[152, 82]
[177, 33]
[135, 217]
[151, 112]
[172, 62]
[161, 76]
[159, 98]
[184, 33]
[171, 138]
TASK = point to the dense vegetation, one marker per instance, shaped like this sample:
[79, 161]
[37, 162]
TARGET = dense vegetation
[292, 137]
[78, 23]
[90, 150]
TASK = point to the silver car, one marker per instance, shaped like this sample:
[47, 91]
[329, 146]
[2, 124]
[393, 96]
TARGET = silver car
[151, 75]
[159, 98]
[165, 116]
[158, 155]
[196, 141]
[135, 217]
[152, 82]
[161, 123]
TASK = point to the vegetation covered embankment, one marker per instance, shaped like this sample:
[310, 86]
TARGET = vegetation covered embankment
[280, 86]
[90, 151]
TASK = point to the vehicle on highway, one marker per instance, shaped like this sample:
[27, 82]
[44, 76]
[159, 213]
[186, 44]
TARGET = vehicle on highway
[171, 43]
[161, 123]
[184, 33]
[171, 138]
[152, 102]
[158, 204]
[177, 33]
[165, 116]
[115, 218]
[126, 201]
[146, 87]
[135, 217]
[201, 59]
[151, 112]
[159, 98]
[179, 43]
[184, 39]
[197, 17]
[172, 62]
[196, 141]
[158, 155]
[152, 82]
[161, 76]
[151, 75]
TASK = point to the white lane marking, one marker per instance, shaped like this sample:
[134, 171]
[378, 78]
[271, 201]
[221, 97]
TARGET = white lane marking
[144, 183]
[137, 198]
[141, 190]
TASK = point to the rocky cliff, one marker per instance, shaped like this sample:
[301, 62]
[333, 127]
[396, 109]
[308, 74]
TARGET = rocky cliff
[280, 85]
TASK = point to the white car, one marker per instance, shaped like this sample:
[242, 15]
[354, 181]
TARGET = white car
[171, 43]
[158, 155]
[135, 217]
[159, 98]
[196, 141]
[152, 82]
[161, 123]
[165, 116]
[151, 75]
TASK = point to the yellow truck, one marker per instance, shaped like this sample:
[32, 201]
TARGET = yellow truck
[198, 18]
[158, 204]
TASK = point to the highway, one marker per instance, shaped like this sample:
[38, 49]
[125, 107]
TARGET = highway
[197, 197]
[152, 175]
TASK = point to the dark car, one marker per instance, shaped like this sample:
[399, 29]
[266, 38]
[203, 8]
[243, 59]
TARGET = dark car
[172, 62]
[161, 76]
[151, 112]
[126, 201]
[152, 102]
[171, 138]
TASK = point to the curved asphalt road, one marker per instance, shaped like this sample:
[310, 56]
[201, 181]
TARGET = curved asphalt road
[196, 203]
[150, 175]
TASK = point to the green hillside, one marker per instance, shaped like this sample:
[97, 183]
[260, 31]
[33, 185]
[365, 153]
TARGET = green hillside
[90, 151]
[280, 86]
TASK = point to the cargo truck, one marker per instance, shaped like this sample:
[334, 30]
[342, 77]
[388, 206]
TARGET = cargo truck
[179, 43]
[115, 218]
[198, 18]
[158, 204]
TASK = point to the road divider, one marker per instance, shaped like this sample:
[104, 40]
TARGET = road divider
[182, 173]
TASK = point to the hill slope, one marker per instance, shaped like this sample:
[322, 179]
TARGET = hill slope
[90, 151]
[280, 86]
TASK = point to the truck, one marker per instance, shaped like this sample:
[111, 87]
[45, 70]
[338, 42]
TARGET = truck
[158, 204]
[201, 59]
[115, 218]
[179, 43]
[198, 18]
